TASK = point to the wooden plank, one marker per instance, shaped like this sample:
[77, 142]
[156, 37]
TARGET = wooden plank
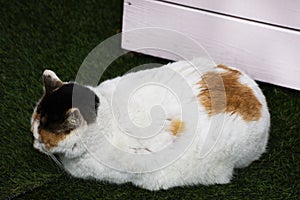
[266, 53]
[279, 12]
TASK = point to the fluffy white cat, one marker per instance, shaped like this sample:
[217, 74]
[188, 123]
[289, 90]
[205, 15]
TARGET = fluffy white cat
[180, 124]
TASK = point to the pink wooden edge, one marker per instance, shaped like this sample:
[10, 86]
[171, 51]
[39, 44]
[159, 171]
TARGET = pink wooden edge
[279, 12]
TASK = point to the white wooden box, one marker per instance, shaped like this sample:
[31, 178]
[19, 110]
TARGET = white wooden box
[260, 37]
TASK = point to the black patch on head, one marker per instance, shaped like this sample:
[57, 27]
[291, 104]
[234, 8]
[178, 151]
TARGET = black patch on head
[54, 106]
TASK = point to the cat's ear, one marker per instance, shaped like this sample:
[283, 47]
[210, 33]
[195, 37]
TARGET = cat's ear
[51, 81]
[74, 118]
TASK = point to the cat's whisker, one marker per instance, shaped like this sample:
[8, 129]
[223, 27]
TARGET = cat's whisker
[59, 164]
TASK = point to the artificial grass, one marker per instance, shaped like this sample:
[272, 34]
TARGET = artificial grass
[58, 35]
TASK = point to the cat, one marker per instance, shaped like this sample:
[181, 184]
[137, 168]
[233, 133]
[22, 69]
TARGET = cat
[218, 120]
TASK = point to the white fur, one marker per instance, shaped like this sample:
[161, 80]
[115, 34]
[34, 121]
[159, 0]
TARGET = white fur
[51, 74]
[221, 143]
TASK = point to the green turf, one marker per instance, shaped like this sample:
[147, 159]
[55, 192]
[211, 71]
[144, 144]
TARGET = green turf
[58, 35]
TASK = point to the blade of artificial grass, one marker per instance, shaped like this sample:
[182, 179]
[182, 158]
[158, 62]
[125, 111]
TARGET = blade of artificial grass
[28, 186]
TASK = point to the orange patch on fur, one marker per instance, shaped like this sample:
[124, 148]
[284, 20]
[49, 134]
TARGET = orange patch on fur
[177, 126]
[229, 69]
[51, 139]
[238, 98]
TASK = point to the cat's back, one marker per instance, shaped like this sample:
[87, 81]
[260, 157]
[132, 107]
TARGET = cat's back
[216, 89]
[186, 97]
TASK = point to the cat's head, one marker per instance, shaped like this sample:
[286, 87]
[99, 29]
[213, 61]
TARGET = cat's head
[64, 109]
